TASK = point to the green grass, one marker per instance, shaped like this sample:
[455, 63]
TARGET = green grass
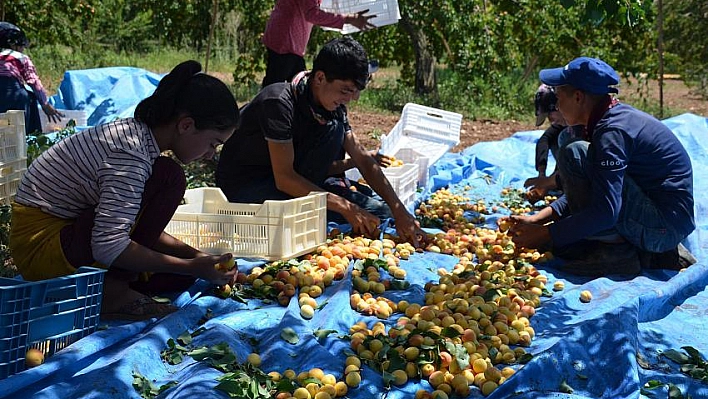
[52, 61]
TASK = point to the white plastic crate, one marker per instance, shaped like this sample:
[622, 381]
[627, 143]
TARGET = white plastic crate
[8, 168]
[79, 116]
[409, 155]
[403, 179]
[386, 11]
[425, 130]
[273, 230]
[13, 144]
[9, 185]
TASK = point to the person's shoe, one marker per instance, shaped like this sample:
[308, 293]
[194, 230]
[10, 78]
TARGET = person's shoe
[601, 259]
[143, 308]
[673, 259]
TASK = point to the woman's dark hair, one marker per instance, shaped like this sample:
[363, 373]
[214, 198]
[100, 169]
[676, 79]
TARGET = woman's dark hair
[343, 59]
[11, 35]
[186, 91]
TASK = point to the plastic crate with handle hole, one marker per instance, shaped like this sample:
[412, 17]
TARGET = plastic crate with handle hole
[403, 180]
[47, 315]
[13, 144]
[273, 230]
[386, 12]
[422, 130]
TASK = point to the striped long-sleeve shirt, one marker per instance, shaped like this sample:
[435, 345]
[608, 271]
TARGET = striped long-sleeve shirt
[19, 66]
[105, 168]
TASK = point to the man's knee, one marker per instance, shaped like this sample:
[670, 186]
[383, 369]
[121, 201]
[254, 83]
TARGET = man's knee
[573, 157]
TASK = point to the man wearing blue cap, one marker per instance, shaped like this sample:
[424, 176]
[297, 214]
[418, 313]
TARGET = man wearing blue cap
[628, 184]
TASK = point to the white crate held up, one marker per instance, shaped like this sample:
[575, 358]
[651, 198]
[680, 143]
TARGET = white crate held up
[79, 116]
[424, 130]
[402, 178]
[386, 11]
[273, 230]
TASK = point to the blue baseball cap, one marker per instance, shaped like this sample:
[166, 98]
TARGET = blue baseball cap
[591, 75]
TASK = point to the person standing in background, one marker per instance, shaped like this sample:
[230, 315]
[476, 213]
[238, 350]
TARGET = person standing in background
[16, 70]
[288, 31]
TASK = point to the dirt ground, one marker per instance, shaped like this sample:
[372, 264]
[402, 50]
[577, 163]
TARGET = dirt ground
[366, 124]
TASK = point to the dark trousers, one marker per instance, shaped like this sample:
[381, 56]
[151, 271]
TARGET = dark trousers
[282, 67]
[13, 96]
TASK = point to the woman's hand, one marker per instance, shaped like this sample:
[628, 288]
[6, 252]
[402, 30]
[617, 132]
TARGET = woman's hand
[52, 113]
[215, 268]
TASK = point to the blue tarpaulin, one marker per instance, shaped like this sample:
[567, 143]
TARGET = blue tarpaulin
[608, 348]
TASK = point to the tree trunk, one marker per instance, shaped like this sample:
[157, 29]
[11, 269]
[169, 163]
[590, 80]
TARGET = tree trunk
[425, 82]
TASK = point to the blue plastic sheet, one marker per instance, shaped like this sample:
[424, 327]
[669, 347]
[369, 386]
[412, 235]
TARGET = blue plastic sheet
[608, 348]
[105, 94]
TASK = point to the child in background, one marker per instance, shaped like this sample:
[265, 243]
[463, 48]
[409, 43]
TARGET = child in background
[545, 104]
[16, 70]
[104, 196]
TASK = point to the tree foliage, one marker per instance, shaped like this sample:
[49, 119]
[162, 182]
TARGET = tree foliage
[480, 40]
[685, 26]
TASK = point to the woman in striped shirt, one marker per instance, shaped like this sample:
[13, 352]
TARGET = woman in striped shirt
[16, 70]
[104, 196]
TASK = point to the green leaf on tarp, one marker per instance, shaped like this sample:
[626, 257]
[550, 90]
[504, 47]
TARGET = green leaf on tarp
[185, 338]
[400, 285]
[459, 353]
[286, 385]
[311, 380]
[146, 388]
[676, 356]
[491, 295]
[358, 265]
[322, 305]
[388, 378]
[525, 358]
[653, 384]
[565, 388]
[675, 392]
[289, 335]
[219, 356]
[396, 361]
[321, 333]
[695, 354]
[247, 383]
[174, 354]
[448, 332]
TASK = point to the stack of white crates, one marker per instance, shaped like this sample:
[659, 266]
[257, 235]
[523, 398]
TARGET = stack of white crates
[13, 154]
[272, 230]
[386, 11]
[422, 136]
